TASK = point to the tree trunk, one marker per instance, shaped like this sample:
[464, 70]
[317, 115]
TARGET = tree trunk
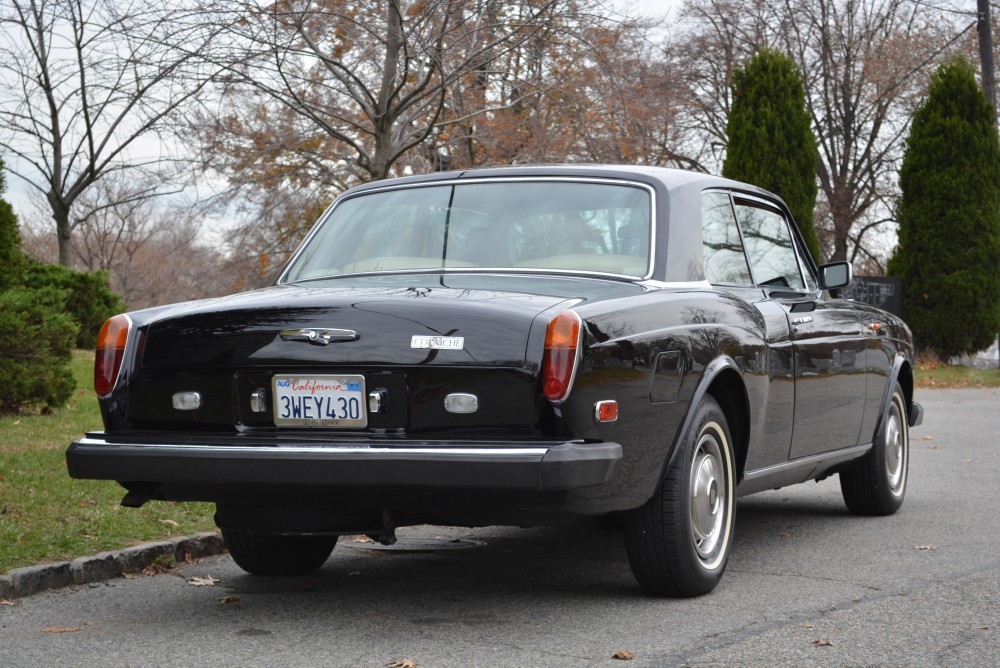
[60, 213]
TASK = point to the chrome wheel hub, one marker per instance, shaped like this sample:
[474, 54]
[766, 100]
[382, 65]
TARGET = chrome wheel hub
[895, 455]
[709, 502]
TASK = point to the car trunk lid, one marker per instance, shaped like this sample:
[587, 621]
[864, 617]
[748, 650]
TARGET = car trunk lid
[293, 326]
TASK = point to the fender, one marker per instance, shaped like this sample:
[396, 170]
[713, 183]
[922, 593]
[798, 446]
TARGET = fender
[708, 376]
[914, 411]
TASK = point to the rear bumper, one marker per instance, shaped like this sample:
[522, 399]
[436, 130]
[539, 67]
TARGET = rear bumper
[515, 465]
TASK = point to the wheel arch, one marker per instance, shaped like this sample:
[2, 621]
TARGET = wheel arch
[724, 382]
[902, 373]
[728, 389]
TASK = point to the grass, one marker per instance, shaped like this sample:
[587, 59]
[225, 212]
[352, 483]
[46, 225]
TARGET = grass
[47, 516]
[939, 375]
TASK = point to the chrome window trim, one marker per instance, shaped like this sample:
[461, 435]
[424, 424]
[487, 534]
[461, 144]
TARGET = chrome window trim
[325, 217]
[739, 231]
[770, 204]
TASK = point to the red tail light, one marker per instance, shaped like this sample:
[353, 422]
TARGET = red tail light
[559, 364]
[110, 353]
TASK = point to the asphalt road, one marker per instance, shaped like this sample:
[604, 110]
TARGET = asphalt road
[807, 584]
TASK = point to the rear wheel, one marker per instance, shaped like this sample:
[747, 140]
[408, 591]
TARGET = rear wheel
[876, 485]
[678, 542]
[262, 554]
[265, 540]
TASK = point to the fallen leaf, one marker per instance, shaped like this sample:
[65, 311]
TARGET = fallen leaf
[363, 539]
[405, 663]
[128, 575]
[17, 422]
[978, 628]
[188, 559]
[169, 523]
[928, 437]
[925, 547]
[786, 535]
[806, 626]
[61, 629]
[623, 655]
[6, 601]
[88, 502]
[822, 643]
[229, 600]
[207, 581]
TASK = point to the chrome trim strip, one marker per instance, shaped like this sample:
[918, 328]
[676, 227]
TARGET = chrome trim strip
[677, 285]
[495, 453]
[811, 460]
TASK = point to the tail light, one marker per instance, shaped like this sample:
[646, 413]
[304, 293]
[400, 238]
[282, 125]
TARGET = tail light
[559, 363]
[110, 353]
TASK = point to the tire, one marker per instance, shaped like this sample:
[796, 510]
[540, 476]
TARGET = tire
[678, 543]
[876, 484]
[262, 554]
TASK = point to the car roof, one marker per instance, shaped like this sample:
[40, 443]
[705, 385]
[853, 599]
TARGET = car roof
[666, 177]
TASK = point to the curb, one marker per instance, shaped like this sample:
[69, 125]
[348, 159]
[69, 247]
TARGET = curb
[19, 582]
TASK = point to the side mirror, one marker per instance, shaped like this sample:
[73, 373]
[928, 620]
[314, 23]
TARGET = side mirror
[836, 275]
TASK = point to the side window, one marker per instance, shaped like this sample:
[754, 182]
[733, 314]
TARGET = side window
[807, 273]
[725, 261]
[769, 246]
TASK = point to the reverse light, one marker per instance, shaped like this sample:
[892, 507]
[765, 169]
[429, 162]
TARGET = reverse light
[110, 353]
[562, 339]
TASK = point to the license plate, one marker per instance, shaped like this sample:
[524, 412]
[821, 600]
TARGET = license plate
[319, 401]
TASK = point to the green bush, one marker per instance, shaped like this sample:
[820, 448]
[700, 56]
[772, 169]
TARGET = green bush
[36, 340]
[12, 260]
[89, 299]
[949, 217]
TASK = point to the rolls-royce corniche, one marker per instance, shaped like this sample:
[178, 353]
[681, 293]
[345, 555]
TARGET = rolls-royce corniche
[515, 346]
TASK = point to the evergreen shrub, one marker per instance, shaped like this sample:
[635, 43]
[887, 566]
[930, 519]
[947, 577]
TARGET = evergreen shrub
[36, 340]
[949, 217]
[89, 300]
[770, 142]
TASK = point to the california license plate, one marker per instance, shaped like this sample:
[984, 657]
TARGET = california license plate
[319, 401]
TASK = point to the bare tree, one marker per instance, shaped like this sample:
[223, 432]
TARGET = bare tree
[861, 62]
[364, 83]
[154, 252]
[323, 94]
[87, 86]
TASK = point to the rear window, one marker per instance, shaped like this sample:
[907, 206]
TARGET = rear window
[549, 225]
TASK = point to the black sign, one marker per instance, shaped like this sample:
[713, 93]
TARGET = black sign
[885, 292]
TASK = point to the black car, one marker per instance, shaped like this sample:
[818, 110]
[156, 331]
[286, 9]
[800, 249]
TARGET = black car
[518, 346]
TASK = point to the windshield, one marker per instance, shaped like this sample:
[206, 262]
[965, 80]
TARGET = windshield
[550, 225]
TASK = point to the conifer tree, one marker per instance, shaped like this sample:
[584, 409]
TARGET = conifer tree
[12, 261]
[770, 140]
[949, 217]
[36, 336]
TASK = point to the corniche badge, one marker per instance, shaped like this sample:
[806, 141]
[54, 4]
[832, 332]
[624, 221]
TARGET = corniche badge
[438, 342]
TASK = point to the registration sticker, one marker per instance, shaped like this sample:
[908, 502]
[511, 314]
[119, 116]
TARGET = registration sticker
[319, 401]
